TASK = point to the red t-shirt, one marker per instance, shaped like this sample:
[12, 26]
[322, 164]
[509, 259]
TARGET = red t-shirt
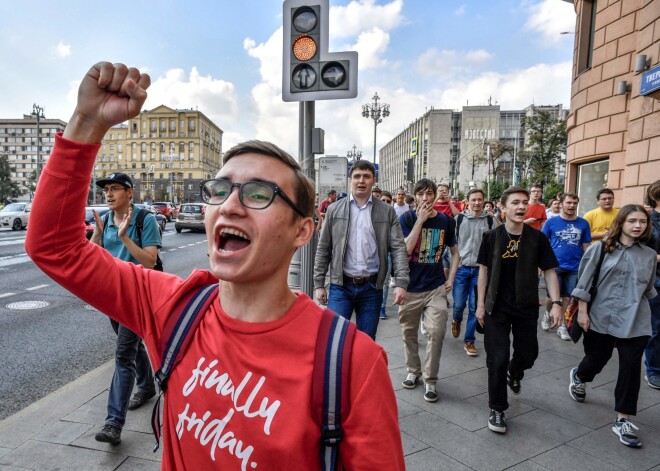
[443, 208]
[536, 211]
[241, 396]
[324, 206]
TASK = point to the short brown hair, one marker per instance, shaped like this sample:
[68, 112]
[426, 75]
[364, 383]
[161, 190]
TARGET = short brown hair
[511, 190]
[363, 165]
[653, 194]
[569, 195]
[303, 187]
[476, 190]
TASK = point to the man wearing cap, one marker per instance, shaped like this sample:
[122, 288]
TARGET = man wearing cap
[122, 240]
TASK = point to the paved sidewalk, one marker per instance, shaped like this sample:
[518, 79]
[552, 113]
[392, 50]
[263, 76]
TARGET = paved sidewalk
[546, 428]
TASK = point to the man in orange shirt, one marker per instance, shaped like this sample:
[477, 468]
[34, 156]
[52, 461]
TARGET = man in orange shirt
[536, 215]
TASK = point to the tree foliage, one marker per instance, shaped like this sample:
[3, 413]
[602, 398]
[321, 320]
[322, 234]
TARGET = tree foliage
[8, 187]
[544, 146]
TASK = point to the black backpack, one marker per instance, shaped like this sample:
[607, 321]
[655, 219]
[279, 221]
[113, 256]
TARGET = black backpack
[139, 222]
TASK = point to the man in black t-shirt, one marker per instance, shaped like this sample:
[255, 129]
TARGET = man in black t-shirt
[509, 259]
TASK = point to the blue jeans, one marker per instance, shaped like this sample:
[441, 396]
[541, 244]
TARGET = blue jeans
[465, 286]
[652, 352]
[131, 366]
[365, 299]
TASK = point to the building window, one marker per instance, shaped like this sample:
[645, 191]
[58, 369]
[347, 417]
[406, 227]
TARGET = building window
[591, 177]
[586, 30]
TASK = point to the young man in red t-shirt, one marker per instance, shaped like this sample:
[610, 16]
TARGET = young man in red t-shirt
[536, 215]
[443, 204]
[240, 397]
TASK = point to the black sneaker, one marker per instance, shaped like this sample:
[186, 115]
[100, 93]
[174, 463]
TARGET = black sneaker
[139, 399]
[410, 382]
[109, 434]
[577, 389]
[626, 432]
[514, 384]
[496, 421]
[430, 394]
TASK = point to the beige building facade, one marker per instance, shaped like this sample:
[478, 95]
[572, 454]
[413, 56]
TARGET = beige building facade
[614, 124]
[18, 141]
[166, 152]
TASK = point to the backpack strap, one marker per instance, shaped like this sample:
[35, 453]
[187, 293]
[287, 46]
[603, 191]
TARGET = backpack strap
[331, 383]
[176, 338]
[139, 222]
[491, 221]
[459, 221]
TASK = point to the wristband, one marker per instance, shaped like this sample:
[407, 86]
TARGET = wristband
[558, 303]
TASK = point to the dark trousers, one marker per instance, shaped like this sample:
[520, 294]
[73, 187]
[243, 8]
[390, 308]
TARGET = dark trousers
[652, 352]
[598, 350]
[497, 328]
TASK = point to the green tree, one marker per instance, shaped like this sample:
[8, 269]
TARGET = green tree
[497, 150]
[8, 187]
[544, 147]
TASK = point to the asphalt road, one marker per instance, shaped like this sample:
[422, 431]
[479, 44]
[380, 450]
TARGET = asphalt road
[42, 349]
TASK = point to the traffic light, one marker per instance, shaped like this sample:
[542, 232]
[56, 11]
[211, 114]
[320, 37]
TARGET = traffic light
[310, 72]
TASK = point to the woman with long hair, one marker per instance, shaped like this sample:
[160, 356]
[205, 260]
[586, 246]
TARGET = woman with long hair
[619, 316]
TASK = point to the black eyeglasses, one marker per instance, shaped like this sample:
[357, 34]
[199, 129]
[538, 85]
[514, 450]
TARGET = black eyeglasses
[252, 195]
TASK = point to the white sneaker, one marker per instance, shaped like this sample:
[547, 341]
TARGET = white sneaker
[546, 322]
[392, 282]
[562, 331]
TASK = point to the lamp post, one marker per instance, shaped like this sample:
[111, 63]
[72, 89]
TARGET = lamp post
[172, 156]
[354, 155]
[453, 171]
[376, 112]
[38, 111]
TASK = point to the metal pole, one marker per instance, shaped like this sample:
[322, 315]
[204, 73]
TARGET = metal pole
[294, 279]
[375, 126]
[488, 157]
[38, 147]
[515, 148]
[307, 251]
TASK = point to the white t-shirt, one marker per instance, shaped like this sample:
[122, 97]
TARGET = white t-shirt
[401, 209]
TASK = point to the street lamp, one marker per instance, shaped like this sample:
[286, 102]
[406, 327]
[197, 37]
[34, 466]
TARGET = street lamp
[354, 155]
[376, 112]
[453, 169]
[38, 111]
[172, 156]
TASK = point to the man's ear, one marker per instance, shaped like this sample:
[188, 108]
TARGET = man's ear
[305, 231]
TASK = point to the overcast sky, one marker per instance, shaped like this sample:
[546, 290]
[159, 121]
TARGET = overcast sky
[225, 59]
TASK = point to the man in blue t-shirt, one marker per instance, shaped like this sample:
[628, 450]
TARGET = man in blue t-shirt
[570, 236]
[427, 232]
[119, 235]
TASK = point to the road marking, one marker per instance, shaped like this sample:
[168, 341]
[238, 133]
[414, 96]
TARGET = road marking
[181, 247]
[12, 242]
[36, 287]
[190, 245]
[6, 295]
[14, 260]
[171, 250]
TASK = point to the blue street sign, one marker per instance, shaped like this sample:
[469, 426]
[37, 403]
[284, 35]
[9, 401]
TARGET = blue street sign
[650, 81]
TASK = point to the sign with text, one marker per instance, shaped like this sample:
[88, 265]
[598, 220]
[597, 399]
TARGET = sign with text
[650, 82]
[333, 175]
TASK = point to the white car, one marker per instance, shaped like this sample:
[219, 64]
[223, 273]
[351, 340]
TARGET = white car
[15, 215]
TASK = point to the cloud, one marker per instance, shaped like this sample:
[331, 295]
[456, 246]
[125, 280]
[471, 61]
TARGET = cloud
[362, 15]
[450, 63]
[216, 98]
[460, 10]
[541, 84]
[62, 50]
[550, 18]
[371, 46]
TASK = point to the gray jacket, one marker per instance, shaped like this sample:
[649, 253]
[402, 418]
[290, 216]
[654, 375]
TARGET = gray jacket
[332, 244]
[469, 234]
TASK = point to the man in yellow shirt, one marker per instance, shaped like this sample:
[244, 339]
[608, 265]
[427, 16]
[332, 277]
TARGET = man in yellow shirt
[601, 218]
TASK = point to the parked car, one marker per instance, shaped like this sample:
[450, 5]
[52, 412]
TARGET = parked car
[167, 209]
[160, 218]
[191, 216]
[90, 223]
[15, 215]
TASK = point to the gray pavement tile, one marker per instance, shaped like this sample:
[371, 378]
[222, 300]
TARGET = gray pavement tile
[62, 432]
[604, 444]
[459, 444]
[527, 466]
[567, 457]
[411, 445]
[516, 407]
[552, 426]
[432, 460]
[397, 376]
[543, 366]
[51, 456]
[92, 412]
[395, 361]
[549, 392]
[458, 389]
[451, 366]
[406, 408]
[136, 464]
[521, 437]
[14, 468]
[648, 416]
[4, 451]
[647, 396]
[478, 377]
[136, 444]
[561, 358]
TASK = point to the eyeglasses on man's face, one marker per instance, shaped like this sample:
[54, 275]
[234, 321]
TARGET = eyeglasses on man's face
[252, 195]
[113, 189]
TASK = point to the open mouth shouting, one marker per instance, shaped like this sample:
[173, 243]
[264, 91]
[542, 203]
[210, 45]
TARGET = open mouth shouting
[231, 240]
